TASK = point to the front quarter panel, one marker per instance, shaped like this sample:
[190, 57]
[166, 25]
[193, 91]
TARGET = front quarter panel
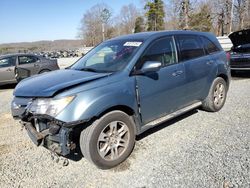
[93, 102]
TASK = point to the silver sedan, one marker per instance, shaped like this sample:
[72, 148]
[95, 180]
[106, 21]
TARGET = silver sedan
[16, 67]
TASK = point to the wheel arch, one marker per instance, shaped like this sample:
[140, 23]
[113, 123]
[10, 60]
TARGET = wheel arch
[123, 108]
[126, 109]
[225, 77]
[44, 70]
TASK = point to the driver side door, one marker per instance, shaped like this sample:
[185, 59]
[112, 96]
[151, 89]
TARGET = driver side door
[161, 92]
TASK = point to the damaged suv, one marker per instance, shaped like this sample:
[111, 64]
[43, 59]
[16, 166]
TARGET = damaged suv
[121, 88]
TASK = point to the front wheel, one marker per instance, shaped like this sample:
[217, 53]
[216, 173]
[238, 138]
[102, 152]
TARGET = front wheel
[217, 96]
[109, 140]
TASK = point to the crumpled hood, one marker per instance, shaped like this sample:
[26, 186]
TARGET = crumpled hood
[46, 85]
[240, 37]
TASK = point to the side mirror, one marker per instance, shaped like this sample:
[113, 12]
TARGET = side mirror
[149, 66]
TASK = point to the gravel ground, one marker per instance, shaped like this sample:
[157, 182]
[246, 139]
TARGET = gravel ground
[199, 149]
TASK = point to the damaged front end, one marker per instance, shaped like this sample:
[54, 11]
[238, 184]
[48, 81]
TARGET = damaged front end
[44, 129]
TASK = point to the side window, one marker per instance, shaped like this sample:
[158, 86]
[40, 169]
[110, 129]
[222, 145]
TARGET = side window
[190, 47]
[162, 50]
[209, 45]
[7, 62]
[27, 59]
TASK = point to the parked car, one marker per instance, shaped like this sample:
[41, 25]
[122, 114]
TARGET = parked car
[240, 52]
[121, 88]
[15, 67]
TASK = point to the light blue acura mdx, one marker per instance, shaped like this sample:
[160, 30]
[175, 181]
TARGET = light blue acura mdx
[121, 88]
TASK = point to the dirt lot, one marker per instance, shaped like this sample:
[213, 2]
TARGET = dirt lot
[199, 149]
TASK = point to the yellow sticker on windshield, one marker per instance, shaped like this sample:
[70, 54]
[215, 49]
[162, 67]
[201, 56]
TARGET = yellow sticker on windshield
[136, 44]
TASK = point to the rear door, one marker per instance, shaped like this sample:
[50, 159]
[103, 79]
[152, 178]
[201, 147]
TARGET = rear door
[7, 69]
[29, 64]
[197, 65]
[161, 92]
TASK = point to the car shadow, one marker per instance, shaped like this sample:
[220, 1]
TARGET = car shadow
[166, 124]
[8, 86]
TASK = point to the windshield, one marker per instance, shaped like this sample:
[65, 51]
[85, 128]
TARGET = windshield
[110, 56]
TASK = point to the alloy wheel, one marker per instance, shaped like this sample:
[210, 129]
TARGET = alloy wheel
[219, 94]
[113, 140]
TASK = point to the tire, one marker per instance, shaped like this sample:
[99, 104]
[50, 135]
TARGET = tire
[217, 96]
[109, 140]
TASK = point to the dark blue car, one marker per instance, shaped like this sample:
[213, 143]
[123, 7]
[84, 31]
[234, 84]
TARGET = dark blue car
[121, 88]
[240, 52]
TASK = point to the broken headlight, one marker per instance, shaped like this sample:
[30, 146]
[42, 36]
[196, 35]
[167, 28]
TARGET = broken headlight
[50, 106]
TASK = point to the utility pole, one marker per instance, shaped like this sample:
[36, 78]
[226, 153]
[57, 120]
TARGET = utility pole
[232, 15]
[185, 10]
[222, 22]
[105, 15]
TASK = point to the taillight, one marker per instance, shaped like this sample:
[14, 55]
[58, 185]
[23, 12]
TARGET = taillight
[228, 56]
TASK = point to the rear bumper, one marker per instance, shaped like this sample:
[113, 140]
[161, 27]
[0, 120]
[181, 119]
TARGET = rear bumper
[239, 62]
[240, 68]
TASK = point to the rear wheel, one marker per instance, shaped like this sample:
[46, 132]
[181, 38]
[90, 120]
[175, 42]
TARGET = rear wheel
[216, 97]
[109, 140]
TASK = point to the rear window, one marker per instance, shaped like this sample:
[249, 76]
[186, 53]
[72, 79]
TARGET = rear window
[209, 46]
[27, 59]
[190, 47]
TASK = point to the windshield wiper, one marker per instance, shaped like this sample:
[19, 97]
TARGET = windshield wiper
[94, 70]
[88, 70]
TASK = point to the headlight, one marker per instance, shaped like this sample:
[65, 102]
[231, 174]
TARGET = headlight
[50, 106]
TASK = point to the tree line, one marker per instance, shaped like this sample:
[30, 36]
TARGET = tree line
[218, 16]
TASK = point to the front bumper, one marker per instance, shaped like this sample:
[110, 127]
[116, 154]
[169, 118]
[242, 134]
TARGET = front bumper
[55, 135]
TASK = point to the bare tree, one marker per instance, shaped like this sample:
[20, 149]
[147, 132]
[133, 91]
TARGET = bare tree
[127, 17]
[247, 17]
[221, 16]
[92, 25]
[181, 11]
[240, 7]
[172, 14]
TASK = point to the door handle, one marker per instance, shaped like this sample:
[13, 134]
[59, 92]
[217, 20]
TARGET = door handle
[36, 65]
[210, 62]
[177, 73]
[9, 70]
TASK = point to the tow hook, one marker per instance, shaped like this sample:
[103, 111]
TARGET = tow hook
[55, 157]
